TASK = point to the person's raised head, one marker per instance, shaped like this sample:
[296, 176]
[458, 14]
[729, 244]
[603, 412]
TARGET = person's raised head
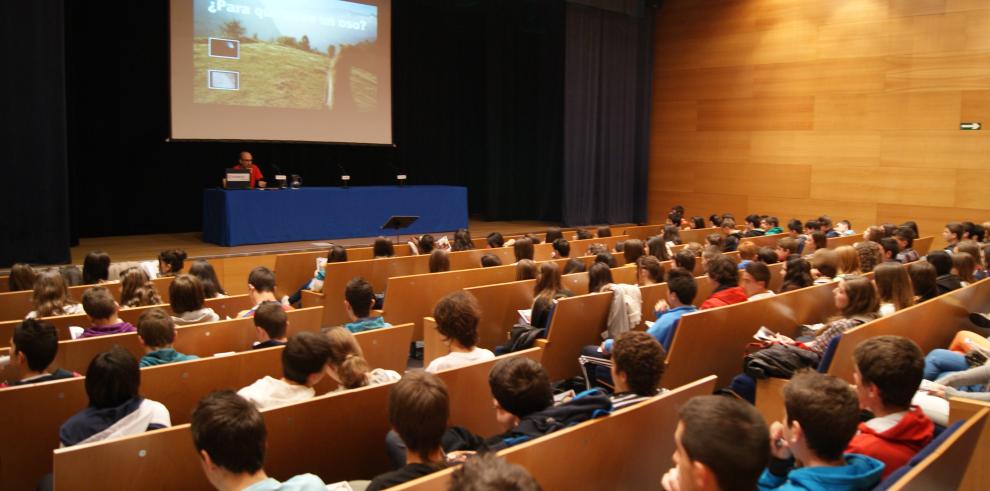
[21, 277]
[186, 294]
[681, 285]
[942, 262]
[426, 243]
[418, 409]
[495, 239]
[684, 259]
[271, 318]
[304, 358]
[888, 372]
[112, 378]
[520, 387]
[156, 328]
[262, 280]
[523, 249]
[923, 278]
[346, 364]
[599, 275]
[383, 248]
[489, 472]
[894, 285]
[637, 359]
[207, 277]
[755, 278]
[99, 304]
[649, 270]
[860, 296]
[360, 297]
[525, 269]
[96, 267]
[822, 416]
[489, 260]
[722, 270]
[439, 261]
[229, 435]
[562, 247]
[722, 443]
[457, 316]
[37, 342]
[170, 261]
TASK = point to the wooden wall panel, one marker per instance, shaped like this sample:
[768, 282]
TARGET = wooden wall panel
[797, 108]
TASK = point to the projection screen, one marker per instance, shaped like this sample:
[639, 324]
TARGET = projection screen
[281, 70]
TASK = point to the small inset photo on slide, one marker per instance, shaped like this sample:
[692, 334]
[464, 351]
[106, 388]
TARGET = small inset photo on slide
[224, 79]
[225, 48]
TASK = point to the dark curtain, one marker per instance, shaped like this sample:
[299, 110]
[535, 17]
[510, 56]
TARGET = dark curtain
[608, 66]
[33, 104]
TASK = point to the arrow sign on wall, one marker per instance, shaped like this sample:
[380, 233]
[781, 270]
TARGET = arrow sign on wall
[970, 126]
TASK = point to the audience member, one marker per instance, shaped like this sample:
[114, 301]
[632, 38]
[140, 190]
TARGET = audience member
[439, 261]
[561, 248]
[724, 276]
[230, 437]
[721, 444]
[156, 331]
[553, 233]
[848, 261]
[271, 325]
[824, 266]
[684, 259]
[648, 271]
[347, 366]
[208, 277]
[843, 228]
[923, 280]
[382, 248]
[336, 254]
[965, 268]
[186, 296]
[32, 349]
[771, 225]
[304, 362]
[359, 298]
[945, 280]
[755, 281]
[975, 251]
[603, 231]
[732, 235]
[136, 289]
[462, 241]
[21, 277]
[599, 277]
[261, 288]
[523, 249]
[170, 262]
[547, 291]
[766, 256]
[870, 255]
[115, 407]
[747, 254]
[905, 241]
[525, 269]
[637, 365]
[96, 268]
[952, 234]
[102, 310]
[822, 414]
[887, 374]
[489, 472]
[632, 251]
[495, 240]
[797, 274]
[51, 297]
[574, 265]
[489, 260]
[457, 316]
[893, 287]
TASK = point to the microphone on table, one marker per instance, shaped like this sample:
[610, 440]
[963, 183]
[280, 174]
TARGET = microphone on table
[345, 178]
[399, 176]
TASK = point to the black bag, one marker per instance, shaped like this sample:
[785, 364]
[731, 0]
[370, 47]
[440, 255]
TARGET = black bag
[975, 359]
[522, 336]
[779, 361]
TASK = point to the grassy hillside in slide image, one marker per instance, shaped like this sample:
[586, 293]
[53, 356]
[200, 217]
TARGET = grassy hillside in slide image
[273, 75]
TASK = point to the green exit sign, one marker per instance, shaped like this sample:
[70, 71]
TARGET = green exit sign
[970, 126]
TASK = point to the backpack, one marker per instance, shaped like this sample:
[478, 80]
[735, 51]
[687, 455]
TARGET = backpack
[522, 336]
[779, 361]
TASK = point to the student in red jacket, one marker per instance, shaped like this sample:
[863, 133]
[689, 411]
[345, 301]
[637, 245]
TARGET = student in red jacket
[888, 372]
[724, 273]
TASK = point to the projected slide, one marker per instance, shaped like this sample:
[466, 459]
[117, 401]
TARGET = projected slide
[306, 70]
[283, 53]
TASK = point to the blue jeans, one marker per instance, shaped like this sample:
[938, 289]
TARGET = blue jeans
[941, 362]
[596, 373]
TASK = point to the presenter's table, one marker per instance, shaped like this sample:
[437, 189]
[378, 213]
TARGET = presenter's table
[252, 216]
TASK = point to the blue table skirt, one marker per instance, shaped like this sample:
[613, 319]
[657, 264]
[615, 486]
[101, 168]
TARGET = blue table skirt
[239, 217]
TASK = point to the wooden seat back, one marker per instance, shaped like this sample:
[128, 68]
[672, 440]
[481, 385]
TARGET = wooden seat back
[576, 322]
[834, 242]
[930, 324]
[923, 245]
[713, 341]
[580, 460]
[977, 475]
[764, 240]
[945, 467]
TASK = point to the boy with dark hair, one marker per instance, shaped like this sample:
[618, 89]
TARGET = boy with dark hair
[359, 298]
[156, 330]
[682, 289]
[229, 435]
[952, 234]
[826, 227]
[905, 240]
[304, 362]
[945, 281]
[724, 274]
[684, 259]
[752, 225]
[261, 288]
[721, 444]
[102, 310]
[822, 414]
[561, 248]
[890, 249]
[271, 324]
[888, 372]
[754, 281]
[457, 316]
[418, 408]
[32, 349]
[732, 235]
[489, 472]
[637, 364]
[771, 225]
[785, 247]
[489, 260]
[795, 230]
[648, 271]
